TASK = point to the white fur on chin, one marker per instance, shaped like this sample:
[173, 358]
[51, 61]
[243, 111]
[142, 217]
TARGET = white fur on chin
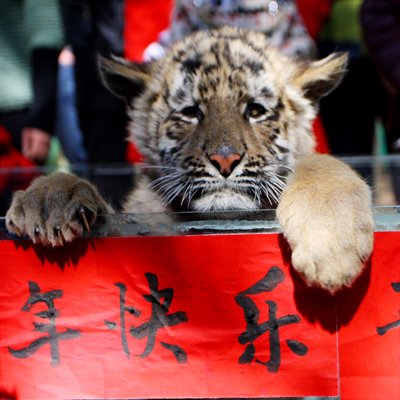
[223, 201]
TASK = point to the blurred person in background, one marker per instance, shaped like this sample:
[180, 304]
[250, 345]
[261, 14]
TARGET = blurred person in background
[349, 113]
[280, 20]
[381, 28]
[95, 27]
[31, 38]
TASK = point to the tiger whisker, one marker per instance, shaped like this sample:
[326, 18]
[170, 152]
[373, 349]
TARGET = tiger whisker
[173, 194]
[185, 194]
[156, 166]
[163, 178]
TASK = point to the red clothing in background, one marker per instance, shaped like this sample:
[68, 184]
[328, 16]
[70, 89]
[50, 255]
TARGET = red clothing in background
[314, 14]
[144, 20]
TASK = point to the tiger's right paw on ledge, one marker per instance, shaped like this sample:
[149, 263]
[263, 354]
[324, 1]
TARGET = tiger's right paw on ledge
[326, 216]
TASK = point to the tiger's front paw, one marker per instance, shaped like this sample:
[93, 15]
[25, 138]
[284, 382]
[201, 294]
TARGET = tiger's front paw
[334, 260]
[55, 209]
[326, 216]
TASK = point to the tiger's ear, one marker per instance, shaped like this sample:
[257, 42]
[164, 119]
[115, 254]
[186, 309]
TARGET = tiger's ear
[123, 78]
[319, 78]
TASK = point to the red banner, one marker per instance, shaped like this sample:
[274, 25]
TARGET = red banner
[369, 326]
[221, 316]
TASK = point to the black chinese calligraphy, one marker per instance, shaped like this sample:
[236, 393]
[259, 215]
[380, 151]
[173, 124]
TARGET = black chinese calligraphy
[254, 329]
[51, 314]
[160, 301]
[396, 324]
[123, 310]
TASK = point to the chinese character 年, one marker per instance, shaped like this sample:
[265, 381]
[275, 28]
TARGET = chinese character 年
[50, 329]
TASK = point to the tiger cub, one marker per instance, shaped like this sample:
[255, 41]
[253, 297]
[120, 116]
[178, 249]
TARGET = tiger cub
[225, 122]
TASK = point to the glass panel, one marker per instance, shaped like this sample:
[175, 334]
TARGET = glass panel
[382, 174]
[264, 221]
[114, 182]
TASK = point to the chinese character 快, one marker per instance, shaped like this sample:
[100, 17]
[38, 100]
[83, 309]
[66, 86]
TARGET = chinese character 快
[159, 319]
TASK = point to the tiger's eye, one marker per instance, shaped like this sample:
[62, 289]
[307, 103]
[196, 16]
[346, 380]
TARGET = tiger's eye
[192, 112]
[255, 110]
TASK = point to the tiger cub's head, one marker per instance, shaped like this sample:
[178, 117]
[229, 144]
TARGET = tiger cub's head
[223, 116]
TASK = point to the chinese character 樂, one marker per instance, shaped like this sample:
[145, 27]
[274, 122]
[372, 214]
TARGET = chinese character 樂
[159, 319]
[51, 314]
[254, 329]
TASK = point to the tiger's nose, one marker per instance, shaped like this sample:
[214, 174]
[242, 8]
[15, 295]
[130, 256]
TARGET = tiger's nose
[225, 163]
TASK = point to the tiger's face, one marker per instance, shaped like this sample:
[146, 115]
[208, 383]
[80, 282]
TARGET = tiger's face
[223, 117]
